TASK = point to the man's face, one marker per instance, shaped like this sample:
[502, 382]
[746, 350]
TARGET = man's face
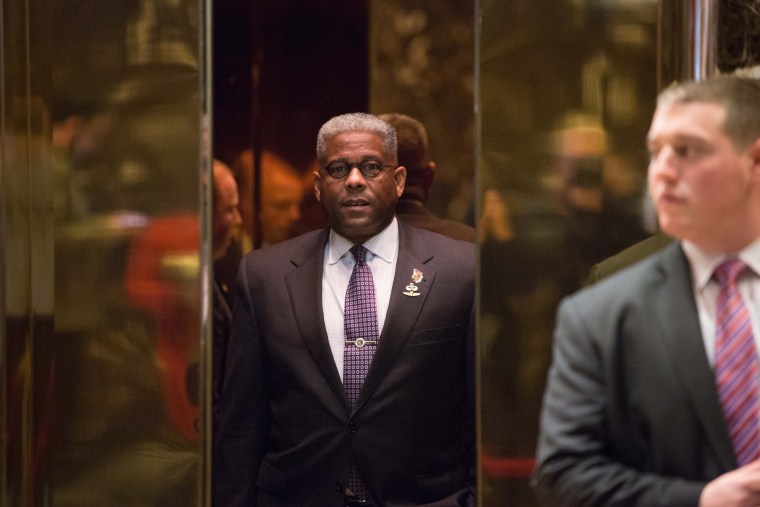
[358, 207]
[281, 196]
[704, 187]
[226, 214]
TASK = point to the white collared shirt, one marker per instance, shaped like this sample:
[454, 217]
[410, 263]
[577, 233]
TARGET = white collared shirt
[382, 254]
[706, 290]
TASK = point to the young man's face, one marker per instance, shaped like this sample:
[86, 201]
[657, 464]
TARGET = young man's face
[704, 187]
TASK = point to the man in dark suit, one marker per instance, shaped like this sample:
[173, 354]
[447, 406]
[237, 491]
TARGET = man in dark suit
[633, 412]
[290, 435]
[420, 173]
[226, 221]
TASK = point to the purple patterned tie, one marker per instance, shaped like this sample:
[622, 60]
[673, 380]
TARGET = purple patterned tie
[361, 330]
[736, 365]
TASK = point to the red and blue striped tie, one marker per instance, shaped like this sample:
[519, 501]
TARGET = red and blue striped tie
[736, 365]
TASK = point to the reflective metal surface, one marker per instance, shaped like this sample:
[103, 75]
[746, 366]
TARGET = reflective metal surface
[102, 186]
[103, 198]
[688, 34]
[422, 64]
[565, 96]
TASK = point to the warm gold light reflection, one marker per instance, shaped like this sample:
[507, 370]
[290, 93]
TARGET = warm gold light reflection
[100, 247]
[565, 97]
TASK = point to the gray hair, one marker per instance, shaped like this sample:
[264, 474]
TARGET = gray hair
[739, 96]
[361, 122]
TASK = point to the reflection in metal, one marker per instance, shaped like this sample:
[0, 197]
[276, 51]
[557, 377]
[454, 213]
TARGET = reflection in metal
[739, 44]
[421, 64]
[705, 38]
[566, 95]
[101, 174]
[687, 40]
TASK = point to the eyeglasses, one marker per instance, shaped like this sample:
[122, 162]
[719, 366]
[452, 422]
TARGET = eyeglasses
[339, 169]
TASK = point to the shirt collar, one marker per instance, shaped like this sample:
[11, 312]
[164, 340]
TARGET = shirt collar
[703, 263]
[383, 244]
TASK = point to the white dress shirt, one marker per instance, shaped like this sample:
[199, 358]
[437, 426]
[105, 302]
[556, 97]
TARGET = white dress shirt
[382, 254]
[706, 289]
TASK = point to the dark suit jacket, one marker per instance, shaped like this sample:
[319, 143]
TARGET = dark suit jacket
[221, 327]
[287, 434]
[631, 415]
[629, 256]
[416, 214]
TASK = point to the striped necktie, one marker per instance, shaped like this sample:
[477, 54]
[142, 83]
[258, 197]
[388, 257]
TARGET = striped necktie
[736, 365]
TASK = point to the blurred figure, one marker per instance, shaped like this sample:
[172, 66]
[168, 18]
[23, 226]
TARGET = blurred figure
[653, 394]
[278, 214]
[227, 218]
[504, 322]
[420, 173]
[162, 280]
[226, 222]
[281, 195]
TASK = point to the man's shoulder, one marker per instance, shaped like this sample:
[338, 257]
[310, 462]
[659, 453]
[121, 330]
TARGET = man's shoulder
[422, 218]
[456, 230]
[629, 256]
[285, 251]
[438, 243]
[636, 282]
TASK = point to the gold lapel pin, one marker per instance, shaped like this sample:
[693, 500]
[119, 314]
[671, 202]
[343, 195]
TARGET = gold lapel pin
[411, 289]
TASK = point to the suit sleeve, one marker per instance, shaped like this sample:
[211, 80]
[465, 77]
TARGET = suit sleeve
[576, 463]
[244, 407]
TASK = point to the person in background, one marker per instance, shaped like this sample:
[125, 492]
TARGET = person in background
[350, 369]
[420, 173]
[278, 214]
[281, 195]
[226, 221]
[639, 407]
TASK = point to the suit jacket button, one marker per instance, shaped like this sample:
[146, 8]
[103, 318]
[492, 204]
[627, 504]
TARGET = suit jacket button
[353, 428]
[339, 486]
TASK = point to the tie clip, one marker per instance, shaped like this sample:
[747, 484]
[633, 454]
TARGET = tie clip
[360, 342]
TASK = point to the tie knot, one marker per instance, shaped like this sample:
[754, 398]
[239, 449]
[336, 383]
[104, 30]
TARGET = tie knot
[728, 271]
[359, 253]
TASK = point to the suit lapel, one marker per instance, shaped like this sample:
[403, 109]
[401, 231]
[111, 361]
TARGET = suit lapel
[305, 290]
[402, 309]
[682, 336]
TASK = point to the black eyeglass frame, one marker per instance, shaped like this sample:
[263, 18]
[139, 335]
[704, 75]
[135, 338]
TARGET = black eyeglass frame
[364, 167]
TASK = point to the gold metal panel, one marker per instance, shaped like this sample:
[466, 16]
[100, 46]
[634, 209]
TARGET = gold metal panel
[565, 94]
[103, 202]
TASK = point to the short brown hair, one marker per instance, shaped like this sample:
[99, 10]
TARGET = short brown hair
[739, 96]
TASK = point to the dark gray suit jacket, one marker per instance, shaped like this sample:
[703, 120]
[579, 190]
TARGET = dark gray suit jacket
[631, 415]
[287, 434]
